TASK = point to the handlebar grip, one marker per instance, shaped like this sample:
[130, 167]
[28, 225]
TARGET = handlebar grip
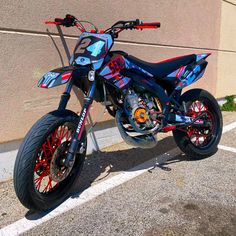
[68, 21]
[52, 23]
[157, 24]
[59, 20]
[148, 25]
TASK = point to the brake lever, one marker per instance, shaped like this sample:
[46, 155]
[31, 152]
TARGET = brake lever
[138, 22]
[69, 21]
[133, 24]
[70, 16]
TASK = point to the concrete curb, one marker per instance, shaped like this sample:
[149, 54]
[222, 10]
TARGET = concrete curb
[105, 138]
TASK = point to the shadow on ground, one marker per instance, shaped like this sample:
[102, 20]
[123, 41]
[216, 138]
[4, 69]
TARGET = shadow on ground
[101, 165]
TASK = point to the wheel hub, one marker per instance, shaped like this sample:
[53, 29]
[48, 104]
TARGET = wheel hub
[199, 136]
[58, 170]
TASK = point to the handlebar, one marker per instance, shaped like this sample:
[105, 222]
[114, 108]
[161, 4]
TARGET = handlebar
[135, 24]
[70, 21]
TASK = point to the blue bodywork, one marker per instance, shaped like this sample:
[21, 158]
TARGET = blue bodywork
[92, 48]
[95, 52]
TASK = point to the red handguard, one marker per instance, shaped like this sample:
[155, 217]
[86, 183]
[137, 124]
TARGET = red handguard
[58, 21]
[148, 25]
[52, 23]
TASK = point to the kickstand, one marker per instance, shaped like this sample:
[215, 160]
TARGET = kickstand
[159, 165]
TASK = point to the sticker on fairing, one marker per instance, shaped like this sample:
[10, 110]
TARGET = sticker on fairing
[96, 48]
[47, 79]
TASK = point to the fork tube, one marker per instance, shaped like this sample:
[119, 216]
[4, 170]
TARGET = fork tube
[88, 100]
[65, 96]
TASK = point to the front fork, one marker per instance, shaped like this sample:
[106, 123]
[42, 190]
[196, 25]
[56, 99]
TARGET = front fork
[88, 100]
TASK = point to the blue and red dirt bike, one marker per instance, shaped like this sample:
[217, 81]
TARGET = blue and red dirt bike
[144, 98]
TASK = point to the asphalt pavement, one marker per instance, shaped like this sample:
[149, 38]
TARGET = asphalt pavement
[178, 197]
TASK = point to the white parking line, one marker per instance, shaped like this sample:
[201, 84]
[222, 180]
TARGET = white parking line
[230, 149]
[229, 127]
[24, 224]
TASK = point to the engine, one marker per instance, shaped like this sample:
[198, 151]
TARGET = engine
[139, 115]
[142, 110]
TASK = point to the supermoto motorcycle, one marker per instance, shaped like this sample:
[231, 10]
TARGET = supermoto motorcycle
[144, 98]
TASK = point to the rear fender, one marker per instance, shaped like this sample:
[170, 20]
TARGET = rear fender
[56, 77]
[192, 73]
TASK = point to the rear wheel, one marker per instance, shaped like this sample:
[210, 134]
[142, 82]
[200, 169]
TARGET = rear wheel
[41, 180]
[200, 142]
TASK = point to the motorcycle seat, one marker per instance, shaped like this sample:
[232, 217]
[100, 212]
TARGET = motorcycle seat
[164, 68]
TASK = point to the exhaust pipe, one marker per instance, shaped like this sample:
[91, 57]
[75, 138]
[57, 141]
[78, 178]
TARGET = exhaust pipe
[142, 141]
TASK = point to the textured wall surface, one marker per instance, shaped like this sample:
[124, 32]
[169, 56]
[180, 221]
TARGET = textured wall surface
[27, 52]
[226, 83]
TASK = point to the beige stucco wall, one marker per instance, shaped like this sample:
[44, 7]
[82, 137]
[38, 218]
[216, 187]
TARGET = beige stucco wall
[27, 53]
[226, 83]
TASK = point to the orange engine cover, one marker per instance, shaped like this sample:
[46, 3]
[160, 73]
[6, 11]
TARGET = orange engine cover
[140, 115]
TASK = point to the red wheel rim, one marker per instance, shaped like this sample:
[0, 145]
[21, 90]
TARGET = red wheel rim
[43, 181]
[200, 137]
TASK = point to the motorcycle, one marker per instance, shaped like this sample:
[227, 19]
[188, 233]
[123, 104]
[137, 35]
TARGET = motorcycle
[144, 98]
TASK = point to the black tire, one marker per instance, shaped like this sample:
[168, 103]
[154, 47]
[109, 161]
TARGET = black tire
[181, 137]
[26, 186]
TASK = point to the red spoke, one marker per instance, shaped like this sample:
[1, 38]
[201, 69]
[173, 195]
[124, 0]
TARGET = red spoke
[205, 136]
[63, 134]
[199, 106]
[43, 180]
[60, 135]
[48, 156]
[49, 185]
[195, 108]
[50, 147]
[53, 138]
[57, 137]
[198, 135]
[38, 180]
[46, 151]
[202, 108]
[41, 162]
[197, 140]
[67, 135]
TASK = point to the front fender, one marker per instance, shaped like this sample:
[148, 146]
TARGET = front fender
[56, 77]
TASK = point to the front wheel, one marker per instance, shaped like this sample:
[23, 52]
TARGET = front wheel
[200, 142]
[41, 180]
